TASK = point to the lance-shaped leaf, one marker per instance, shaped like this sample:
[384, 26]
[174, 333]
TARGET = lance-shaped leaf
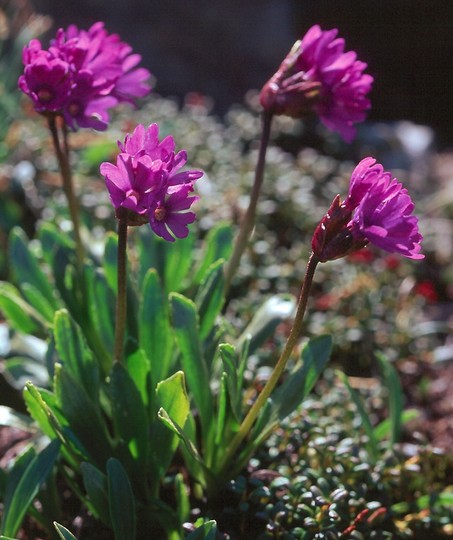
[110, 260]
[129, 416]
[178, 262]
[395, 397]
[373, 443]
[171, 395]
[96, 486]
[290, 394]
[82, 416]
[40, 303]
[20, 315]
[234, 370]
[155, 335]
[52, 240]
[25, 267]
[219, 244]
[27, 487]
[210, 298]
[300, 382]
[101, 308]
[63, 532]
[74, 354]
[139, 368]
[121, 501]
[185, 324]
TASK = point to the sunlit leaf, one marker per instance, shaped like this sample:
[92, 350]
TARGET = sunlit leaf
[27, 488]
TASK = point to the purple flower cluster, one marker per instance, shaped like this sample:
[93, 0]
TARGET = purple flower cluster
[382, 211]
[377, 209]
[147, 185]
[318, 76]
[82, 75]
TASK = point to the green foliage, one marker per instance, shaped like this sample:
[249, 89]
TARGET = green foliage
[121, 501]
[23, 483]
[157, 426]
[63, 532]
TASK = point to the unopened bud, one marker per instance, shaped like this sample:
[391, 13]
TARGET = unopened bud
[332, 238]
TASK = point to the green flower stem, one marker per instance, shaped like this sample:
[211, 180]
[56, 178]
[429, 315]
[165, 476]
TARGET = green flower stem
[68, 187]
[262, 398]
[248, 222]
[121, 296]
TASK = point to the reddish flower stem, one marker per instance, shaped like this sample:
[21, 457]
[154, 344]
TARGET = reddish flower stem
[262, 398]
[68, 187]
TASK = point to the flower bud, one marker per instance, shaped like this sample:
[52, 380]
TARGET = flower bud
[332, 239]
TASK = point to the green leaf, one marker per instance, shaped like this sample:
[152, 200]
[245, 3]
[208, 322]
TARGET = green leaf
[139, 368]
[395, 396]
[20, 315]
[38, 301]
[25, 267]
[155, 334]
[207, 531]
[151, 253]
[372, 445]
[66, 282]
[63, 532]
[315, 356]
[98, 151]
[111, 260]
[445, 498]
[210, 298]
[96, 486]
[83, 416]
[121, 501]
[171, 395]
[19, 370]
[52, 240]
[276, 309]
[178, 262]
[219, 244]
[195, 464]
[74, 353]
[15, 474]
[129, 416]
[101, 308]
[290, 394]
[177, 430]
[185, 324]
[27, 488]
[41, 412]
[384, 428]
[230, 366]
[222, 410]
[182, 499]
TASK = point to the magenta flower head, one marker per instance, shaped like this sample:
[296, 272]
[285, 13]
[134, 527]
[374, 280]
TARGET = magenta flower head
[82, 75]
[377, 209]
[147, 184]
[318, 77]
[46, 79]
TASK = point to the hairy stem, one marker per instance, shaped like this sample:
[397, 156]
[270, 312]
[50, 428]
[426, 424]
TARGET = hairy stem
[248, 222]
